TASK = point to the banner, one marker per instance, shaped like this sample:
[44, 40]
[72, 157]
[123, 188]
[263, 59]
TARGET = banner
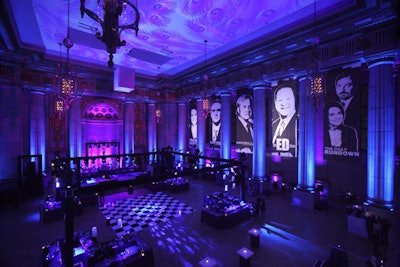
[284, 119]
[193, 123]
[213, 122]
[244, 121]
[342, 116]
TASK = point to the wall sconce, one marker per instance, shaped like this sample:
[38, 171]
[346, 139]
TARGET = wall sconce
[205, 103]
[158, 115]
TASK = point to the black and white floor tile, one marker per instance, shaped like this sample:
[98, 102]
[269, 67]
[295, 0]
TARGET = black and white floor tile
[136, 214]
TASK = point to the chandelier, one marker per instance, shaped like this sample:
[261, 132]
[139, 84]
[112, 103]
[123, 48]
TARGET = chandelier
[316, 88]
[66, 82]
[205, 103]
[110, 24]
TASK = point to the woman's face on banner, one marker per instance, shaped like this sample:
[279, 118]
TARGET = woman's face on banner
[193, 116]
[335, 116]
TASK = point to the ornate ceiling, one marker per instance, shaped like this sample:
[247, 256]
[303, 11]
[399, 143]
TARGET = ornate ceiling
[171, 32]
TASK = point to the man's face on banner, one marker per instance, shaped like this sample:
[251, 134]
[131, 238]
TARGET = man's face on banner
[244, 109]
[285, 102]
[216, 112]
[344, 88]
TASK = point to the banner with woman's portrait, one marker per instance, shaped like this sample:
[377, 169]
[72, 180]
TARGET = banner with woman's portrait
[284, 123]
[193, 123]
[243, 134]
[342, 114]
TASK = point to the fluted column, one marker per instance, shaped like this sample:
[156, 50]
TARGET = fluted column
[201, 129]
[75, 129]
[259, 130]
[225, 151]
[306, 145]
[151, 128]
[182, 127]
[37, 126]
[129, 127]
[167, 128]
[381, 133]
[13, 126]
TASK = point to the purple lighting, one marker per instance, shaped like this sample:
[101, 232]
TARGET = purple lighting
[276, 158]
[181, 23]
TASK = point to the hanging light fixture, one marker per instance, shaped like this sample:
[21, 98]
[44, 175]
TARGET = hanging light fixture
[204, 100]
[110, 24]
[66, 82]
[158, 114]
[316, 88]
[158, 108]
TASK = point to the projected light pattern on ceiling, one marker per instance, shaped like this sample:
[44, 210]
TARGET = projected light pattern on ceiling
[171, 32]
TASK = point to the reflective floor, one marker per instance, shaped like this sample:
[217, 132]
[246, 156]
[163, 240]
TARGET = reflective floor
[290, 235]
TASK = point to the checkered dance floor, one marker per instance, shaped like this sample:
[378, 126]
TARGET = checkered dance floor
[141, 212]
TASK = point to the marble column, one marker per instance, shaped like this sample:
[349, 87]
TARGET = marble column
[75, 129]
[151, 129]
[167, 125]
[37, 126]
[129, 127]
[259, 131]
[183, 140]
[225, 151]
[201, 130]
[13, 124]
[381, 133]
[306, 138]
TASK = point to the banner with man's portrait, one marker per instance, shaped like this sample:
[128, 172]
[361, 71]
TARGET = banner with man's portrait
[193, 123]
[213, 122]
[243, 133]
[342, 114]
[284, 124]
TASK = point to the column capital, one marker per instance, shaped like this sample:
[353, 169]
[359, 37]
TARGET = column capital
[37, 92]
[260, 85]
[301, 75]
[381, 59]
[226, 93]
